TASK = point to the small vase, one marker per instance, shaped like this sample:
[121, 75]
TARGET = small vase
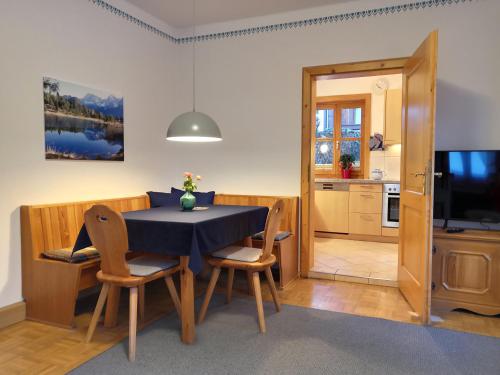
[346, 173]
[188, 201]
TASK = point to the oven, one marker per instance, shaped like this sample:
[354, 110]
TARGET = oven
[390, 206]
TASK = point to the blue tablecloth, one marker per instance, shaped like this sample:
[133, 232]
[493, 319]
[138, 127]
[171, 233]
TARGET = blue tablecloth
[170, 231]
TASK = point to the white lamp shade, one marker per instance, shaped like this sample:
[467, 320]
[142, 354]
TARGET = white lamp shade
[193, 127]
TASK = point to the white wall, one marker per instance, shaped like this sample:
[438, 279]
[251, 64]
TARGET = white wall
[78, 42]
[252, 86]
[389, 159]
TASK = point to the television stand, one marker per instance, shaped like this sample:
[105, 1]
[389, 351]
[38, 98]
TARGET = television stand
[466, 271]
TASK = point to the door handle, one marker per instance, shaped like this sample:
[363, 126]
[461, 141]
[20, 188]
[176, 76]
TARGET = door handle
[438, 174]
[419, 174]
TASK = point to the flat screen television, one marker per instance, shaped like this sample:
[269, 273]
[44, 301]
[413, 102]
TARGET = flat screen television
[469, 188]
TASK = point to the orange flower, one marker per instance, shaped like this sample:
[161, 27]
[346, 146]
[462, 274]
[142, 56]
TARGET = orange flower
[188, 174]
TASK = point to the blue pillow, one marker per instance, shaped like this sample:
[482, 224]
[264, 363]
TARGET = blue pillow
[201, 198]
[158, 199]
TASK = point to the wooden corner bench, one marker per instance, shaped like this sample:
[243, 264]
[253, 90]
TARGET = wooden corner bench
[51, 287]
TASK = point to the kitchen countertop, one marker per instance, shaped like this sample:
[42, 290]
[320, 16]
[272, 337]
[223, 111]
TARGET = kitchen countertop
[355, 181]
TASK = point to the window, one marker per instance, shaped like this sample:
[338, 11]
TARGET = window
[340, 129]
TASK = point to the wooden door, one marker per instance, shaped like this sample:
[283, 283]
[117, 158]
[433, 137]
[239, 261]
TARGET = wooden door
[417, 163]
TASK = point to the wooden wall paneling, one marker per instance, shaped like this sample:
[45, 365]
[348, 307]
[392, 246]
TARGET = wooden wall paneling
[289, 221]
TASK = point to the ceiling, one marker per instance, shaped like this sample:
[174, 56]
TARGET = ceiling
[179, 13]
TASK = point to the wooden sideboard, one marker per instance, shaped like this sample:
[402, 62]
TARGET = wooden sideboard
[466, 271]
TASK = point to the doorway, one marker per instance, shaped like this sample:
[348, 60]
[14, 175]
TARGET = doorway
[417, 157]
[356, 226]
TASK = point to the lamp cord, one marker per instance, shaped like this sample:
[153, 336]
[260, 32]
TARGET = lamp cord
[194, 55]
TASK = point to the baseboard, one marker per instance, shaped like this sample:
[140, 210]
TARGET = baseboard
[12, 314]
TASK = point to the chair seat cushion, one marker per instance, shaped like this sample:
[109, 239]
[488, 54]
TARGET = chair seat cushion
[279, 236]
[239, 253]
[67, 255]
[149, 265]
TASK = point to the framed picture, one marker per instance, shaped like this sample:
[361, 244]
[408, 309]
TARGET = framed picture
[82, 123]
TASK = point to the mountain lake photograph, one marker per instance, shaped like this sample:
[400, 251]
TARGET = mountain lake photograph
[82, 123]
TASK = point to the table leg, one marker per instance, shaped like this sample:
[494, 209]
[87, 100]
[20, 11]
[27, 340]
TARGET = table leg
[187, 302]
[112, 304]
[247, 242]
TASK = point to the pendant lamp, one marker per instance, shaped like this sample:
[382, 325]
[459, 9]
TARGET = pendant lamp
[194, 126]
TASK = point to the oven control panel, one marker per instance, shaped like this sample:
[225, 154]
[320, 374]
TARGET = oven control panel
[391, 188]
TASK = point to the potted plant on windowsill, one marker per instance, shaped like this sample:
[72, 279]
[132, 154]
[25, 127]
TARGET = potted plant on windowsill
[345, 162]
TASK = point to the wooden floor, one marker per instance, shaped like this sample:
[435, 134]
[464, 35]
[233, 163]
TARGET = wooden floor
[34, 348]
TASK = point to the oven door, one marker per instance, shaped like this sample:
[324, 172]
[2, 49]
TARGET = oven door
[390, 214]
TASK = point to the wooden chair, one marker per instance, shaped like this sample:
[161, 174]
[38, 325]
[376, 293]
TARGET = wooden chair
[249, 259]
[108, 233]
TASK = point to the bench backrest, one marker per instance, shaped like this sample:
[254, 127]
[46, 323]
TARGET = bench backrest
[289, 222]
[55, 226]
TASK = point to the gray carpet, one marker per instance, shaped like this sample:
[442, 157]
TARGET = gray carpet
[299, 341]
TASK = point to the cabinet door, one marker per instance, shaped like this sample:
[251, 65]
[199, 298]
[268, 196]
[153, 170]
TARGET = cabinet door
[366, 203]
[367, 224]
[467, 271]
[393, 104]
[331, 211]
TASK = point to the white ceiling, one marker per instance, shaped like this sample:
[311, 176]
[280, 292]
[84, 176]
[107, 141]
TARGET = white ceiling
[179, 13]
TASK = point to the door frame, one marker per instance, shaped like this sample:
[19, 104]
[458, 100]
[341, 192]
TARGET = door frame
[309, 76]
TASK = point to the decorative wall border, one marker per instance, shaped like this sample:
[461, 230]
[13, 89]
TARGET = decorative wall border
[146, 26]
[384, 11]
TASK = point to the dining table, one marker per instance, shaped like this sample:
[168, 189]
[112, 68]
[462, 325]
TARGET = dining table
[190, 235]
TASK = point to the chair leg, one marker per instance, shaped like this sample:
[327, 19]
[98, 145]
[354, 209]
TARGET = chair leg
[173, 294]
[97, 312]
[230, 279]
[250, 283]
[272, 286]
[258, 299]
[132, 324]
[208, 296]
[142, 300]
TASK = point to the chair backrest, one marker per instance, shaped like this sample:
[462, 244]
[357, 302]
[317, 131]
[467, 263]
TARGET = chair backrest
[272, 225]
[108, 233]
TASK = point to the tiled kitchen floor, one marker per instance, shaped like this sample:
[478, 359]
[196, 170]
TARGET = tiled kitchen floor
[356, 261]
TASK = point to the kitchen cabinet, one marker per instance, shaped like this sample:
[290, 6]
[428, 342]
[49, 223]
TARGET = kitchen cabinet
[367, 224]
[392, 126]
[365, 202]
[365, 209]
[331, 211]
[390, 232]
